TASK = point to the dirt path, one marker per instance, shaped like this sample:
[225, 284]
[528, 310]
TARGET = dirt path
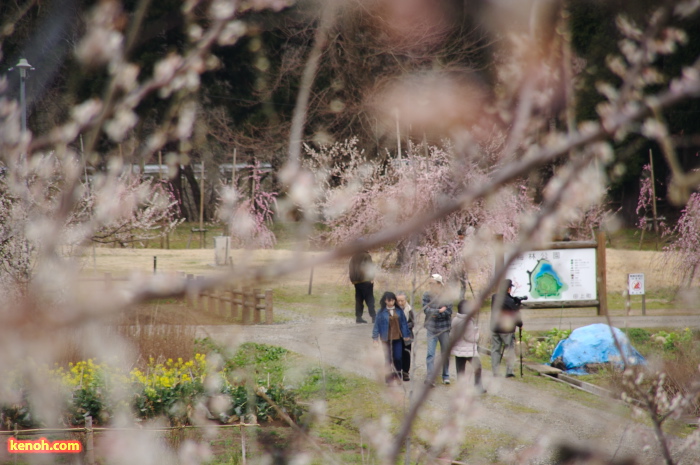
[532, 415]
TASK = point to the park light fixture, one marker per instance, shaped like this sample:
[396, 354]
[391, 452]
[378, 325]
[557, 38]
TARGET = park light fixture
[24, 68]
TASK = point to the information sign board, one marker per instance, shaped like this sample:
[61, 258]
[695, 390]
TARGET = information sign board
[635, 284]
[555, 275]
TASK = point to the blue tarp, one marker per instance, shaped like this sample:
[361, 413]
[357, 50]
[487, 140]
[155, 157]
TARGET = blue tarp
[593, 344]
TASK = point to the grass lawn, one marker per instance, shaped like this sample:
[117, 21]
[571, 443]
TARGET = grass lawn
[631, 239]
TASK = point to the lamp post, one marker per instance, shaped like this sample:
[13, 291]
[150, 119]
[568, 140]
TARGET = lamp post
[24, 68]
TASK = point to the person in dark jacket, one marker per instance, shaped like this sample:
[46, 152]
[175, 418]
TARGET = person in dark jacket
[362, 277]
[391, 327]
[504, 318]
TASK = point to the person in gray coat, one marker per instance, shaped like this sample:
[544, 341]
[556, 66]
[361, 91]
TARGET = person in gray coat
[465, 348]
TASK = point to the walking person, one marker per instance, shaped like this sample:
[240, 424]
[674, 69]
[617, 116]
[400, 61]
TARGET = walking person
[438, 321]
[402, 302]
[362, 271]
[504, 318]
[465, 348]
[391, 327]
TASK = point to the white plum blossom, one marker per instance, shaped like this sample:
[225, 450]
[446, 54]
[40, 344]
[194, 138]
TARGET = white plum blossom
[222, 9]
[122, 122]
[86, 111]
[233, 31]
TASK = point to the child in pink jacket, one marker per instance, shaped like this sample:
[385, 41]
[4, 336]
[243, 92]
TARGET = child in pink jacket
[465, 348]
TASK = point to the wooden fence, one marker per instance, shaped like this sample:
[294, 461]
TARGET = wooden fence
[240, 303]
[86, 435]
[235, 302]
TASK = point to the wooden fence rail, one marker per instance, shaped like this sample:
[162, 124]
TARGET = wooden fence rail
[235, 302]
[240, 303]
[88, 434]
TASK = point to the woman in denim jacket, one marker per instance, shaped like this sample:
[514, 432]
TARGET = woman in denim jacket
[391, 327]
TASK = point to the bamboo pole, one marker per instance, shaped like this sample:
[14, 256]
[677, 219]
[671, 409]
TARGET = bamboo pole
[653, 200]
[602, 276]
[160, 179]
[90, 442]
[243, 446]
[37, 431]
[311, 279]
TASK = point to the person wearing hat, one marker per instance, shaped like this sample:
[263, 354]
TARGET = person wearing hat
[505, 316]
[438, 322]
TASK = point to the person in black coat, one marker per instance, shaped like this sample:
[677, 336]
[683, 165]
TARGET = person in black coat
[504, 318]
[361, 273]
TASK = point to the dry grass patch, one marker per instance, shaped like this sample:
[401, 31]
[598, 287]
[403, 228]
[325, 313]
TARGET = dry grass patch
[122, 262]
[162, 330]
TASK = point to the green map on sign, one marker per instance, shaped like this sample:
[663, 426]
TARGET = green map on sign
[545, 281]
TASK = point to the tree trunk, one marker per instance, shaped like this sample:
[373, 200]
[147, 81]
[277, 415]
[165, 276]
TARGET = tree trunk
[194, 188]
[402, 255]
[404, 251]
[176, 189]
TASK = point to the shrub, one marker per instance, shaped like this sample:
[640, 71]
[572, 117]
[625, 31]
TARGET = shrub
[172, 389]
[638, 336]
[19, 413]
[267, 360]
[679, 357]
[86, 383]
[672, 342]
[542, 349]
[284, 398]
[239, 399]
